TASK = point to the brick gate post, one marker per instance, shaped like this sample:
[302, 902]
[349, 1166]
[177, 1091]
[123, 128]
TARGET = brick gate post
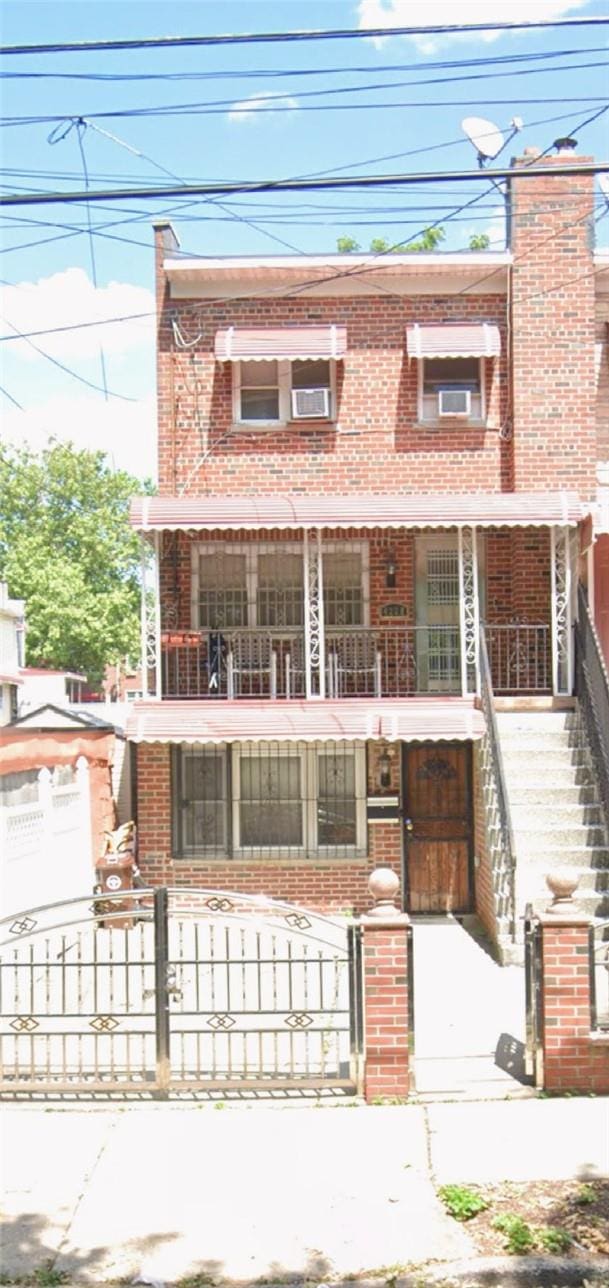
[385, 961]
[574, 1058]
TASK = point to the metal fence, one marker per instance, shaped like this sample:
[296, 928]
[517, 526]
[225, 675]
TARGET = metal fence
[599, 976]
[177, 990]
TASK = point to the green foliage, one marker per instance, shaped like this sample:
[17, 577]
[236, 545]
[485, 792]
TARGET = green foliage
[66, 548]
[585, 1195]
[519, 1237]
[461, 1202]
[429, 240]
[479, 241]
[553, 1239]
[46, 1277]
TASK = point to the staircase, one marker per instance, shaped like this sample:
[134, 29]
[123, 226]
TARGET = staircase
[556, 811]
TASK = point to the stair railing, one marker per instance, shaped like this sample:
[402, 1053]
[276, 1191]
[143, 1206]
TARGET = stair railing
[503, 859]
[592, 690]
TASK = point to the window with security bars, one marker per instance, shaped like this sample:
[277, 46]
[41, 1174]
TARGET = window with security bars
[443, 577]
[343, 588]
[270, 800]
[254, 586]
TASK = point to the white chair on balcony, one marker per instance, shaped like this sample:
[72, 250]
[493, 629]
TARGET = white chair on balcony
[355, 666]
[251, 667]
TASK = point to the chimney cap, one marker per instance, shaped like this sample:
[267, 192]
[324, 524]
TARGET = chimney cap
[566, 144]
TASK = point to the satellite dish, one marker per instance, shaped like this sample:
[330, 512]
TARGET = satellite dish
[603, 183]
[486, 137]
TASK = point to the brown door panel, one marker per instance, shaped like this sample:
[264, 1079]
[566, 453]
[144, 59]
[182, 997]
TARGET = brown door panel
[438, 827]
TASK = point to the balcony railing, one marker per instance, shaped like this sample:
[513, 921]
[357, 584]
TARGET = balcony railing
[360, 662]
[520, 658]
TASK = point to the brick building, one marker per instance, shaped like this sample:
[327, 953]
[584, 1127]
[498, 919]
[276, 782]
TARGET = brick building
[363, 462]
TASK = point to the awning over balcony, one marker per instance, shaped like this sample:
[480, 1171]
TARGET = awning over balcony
[296, 343]
[462, 340]
[291, 513]
[409, 720]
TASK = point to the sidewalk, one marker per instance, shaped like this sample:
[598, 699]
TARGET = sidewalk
[254, 1191]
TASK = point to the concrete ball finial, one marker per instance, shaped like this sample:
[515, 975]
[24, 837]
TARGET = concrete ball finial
[562, 883]
[383, 885]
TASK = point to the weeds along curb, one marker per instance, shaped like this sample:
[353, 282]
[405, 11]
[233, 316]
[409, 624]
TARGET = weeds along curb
[512, 1272]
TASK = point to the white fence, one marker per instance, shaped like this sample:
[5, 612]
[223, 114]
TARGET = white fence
[45, 841]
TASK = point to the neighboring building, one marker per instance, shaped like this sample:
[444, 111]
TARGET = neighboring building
[42, 685]
[11, 653]
[360, 461]
[56, 803]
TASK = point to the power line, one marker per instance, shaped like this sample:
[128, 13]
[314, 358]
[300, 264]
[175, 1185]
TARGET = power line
[291, 37]
[283, 101]
[108, 393]
[260, 73]
[17, 404]
[307, 185]
[194, 109]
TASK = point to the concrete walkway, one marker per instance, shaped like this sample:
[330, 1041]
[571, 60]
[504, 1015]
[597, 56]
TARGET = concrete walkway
[469, 1014]
[256, 1191]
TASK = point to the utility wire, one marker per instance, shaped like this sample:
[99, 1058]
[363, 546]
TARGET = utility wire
[292, 37]
[194, 109]
[307, 185]
[18, 405]
[68, 370]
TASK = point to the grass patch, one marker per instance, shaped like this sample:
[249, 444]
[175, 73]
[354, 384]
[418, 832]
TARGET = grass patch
[462, 1202]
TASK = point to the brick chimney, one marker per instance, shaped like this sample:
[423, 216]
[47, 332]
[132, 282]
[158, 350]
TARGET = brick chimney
[552, 325]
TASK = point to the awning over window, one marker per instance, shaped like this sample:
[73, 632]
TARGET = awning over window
[412, 719]
[359, 510]
[452, 340]
[296, 343]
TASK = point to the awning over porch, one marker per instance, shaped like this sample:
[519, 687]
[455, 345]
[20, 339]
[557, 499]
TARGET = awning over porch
[453, 340]
[264, 344]
[421, 510]
[412, 720]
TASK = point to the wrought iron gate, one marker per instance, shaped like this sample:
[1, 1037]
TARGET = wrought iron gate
[534, 997]
[178, 990]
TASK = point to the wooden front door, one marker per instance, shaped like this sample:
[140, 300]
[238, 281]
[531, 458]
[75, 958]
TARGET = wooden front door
[437, 827]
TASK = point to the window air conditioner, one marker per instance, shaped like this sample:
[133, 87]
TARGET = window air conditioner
[307, 404]
[454, 402]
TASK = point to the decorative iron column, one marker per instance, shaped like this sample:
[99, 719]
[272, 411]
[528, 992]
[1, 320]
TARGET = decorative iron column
[564, 580]
[315, 670]
[469, 610]
[150, 620]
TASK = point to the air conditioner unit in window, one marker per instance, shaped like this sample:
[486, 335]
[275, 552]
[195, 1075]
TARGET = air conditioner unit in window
[307, 404]
[454, 402]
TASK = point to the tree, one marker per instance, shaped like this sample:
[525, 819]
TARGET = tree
[429, 240]
[66, 548]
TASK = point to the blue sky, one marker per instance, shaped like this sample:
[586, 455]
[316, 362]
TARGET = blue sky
[49, 275]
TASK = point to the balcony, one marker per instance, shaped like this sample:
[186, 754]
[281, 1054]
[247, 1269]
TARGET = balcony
[359, 662]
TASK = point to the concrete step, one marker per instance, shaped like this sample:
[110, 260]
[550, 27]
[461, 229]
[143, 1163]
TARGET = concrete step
[534, 837]
[560, 757]
[533, 720]
[545, 795]
[564, 856]
[536, 814]
[546, 771]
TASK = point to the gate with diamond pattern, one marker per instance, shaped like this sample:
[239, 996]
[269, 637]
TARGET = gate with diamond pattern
[174, 990]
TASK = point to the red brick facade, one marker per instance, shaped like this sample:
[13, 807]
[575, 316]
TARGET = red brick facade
[573, 1060]
[386, 1029]
[540, 434]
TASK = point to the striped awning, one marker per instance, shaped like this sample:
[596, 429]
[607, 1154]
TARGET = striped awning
[405, 720]
[296, 343]
[359, 510]
[453, 340]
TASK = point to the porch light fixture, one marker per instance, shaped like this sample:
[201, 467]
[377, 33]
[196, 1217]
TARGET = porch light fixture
[390, 571]
[384, 769]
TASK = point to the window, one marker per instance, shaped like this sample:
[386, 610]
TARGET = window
[239, 586]
[263, 391]
[452, 375]
[270, 800]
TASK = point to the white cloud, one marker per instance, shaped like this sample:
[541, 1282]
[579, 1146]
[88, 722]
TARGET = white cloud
[126, 432]
[70, 297]
[247, 108]
[402, 13]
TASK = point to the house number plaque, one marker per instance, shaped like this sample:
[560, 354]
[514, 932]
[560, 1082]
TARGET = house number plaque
[393, 610]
